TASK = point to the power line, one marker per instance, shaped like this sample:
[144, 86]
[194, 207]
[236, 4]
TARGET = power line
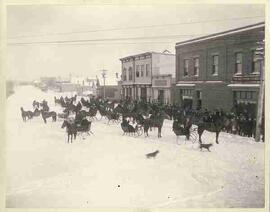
[135, 27]
[102, 43]
[105, 39]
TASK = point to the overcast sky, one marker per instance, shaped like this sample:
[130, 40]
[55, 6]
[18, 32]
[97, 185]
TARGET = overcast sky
[35, 24]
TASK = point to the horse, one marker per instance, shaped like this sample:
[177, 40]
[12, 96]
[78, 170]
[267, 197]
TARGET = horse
[63, 115]
[70, 108]
[102, 112]
[57, 101]
[127, 128]
[29, 114]
[46, 114]
[37, 112]
[215, 125]
[35, 104]
[71, 129]
[155, 120]
[112, 116]
[92, 112]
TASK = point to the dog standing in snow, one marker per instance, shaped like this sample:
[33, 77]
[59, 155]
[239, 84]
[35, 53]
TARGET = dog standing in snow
[152, 154]
[205, 146]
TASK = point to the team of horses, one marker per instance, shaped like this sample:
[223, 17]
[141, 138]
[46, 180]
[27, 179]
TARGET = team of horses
[144, 115]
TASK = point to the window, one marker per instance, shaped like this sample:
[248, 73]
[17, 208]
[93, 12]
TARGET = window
[147, 70]
[137, 71]
[238, 63]
[245, 95]
[215, 65]
[196, 66]
[186, 92]
[257, 63]
[142, 70]
[185, 67]
[130, 73]
[124, 74]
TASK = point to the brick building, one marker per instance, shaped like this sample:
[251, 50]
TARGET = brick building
[220, 70]
[138, 72]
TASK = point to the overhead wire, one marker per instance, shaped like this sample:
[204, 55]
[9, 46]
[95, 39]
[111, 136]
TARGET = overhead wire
[134, 27]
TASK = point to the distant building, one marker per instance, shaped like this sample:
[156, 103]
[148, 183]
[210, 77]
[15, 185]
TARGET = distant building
[112, 92]
[138, 72]
[49, 82]
[82, 86]
[220, 70]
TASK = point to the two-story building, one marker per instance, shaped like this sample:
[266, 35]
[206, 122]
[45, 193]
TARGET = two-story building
[138, 72]
[220, 70]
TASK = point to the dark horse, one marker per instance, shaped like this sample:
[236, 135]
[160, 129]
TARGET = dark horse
[46, 114]
[215, 125]
[28, 114]
[71, 129]
[155, 121]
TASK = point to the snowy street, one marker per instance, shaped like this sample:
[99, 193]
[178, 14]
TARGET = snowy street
[108, 169]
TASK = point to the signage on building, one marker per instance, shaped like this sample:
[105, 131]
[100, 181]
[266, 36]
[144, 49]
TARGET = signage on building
[160, 83]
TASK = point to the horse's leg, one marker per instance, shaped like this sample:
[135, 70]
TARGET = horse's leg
[217, 133]
[200, 137]
[200, 132]
[159, 132]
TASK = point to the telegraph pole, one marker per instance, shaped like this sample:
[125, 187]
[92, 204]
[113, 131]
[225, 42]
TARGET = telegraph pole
[260, 105]
[103, 74]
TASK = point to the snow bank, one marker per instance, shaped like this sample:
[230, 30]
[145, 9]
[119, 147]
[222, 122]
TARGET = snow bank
[108, 169]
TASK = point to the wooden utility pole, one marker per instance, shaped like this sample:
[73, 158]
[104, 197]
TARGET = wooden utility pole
[104, 77]
[260, 105]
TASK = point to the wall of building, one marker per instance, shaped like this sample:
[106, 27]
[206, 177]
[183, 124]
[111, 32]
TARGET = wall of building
[126, 65]
[225, 47]
[215, 90]
[163, 64]
[143, 61]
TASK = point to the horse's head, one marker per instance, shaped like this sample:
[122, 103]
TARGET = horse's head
[64, 124]
[21, 108]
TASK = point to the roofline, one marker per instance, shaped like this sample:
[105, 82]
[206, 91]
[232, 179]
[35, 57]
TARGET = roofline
[220, 34]
[145, 53]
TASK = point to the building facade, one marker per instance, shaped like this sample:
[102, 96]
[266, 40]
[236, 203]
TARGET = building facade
[138, 72]
[220, 70]
[162, 86]
[112, 92]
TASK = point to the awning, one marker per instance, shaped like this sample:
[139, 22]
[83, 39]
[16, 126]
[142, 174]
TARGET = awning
[244, 85]
[185, 85]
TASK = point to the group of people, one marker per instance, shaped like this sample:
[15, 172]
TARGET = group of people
[239, 122]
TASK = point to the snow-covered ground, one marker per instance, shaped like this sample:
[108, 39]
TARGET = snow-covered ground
[108, 169]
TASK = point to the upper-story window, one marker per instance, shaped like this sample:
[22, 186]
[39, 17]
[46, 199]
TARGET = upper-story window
[196, 66]
[238, 63]
[147, 73]
[257, 63]
[186, 67]
[124, 74]
[142, 70]
[215, 59]
[130, 73]
[137, 71]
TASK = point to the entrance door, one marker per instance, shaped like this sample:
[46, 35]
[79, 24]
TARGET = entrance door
[161, 96]
[187, 104]
[143, 93]
[199, 100]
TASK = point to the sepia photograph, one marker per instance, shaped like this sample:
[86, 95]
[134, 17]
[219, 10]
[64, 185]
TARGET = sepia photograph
[135, 106]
